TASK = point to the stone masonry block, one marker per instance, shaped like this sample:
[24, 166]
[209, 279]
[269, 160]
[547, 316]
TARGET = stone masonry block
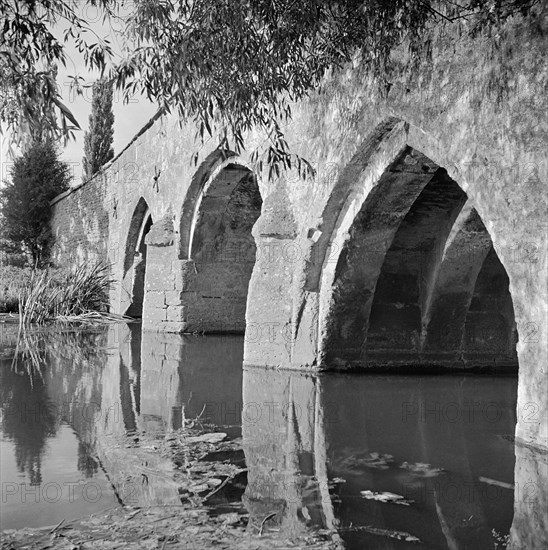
[159, 277]
[176, 313]
[155, 299]
[174, 297]
[172, 327]
[154, 315]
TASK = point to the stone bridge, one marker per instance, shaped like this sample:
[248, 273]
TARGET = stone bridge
[420, 243]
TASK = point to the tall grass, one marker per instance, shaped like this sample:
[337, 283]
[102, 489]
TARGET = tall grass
[79, 295]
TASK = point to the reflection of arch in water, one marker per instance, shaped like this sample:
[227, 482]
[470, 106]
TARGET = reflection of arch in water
[135, 257]
[130, 380]
[189, 377]
[283, 438]
[220, 208]
[384, 434]
[137, 481]
[394, 433]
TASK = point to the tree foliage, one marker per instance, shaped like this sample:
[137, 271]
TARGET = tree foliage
[232, 66]
[30, 52]
[98, 139]
[36, 178]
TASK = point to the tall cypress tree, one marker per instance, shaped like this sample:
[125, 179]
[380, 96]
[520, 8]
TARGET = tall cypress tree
[98, 139]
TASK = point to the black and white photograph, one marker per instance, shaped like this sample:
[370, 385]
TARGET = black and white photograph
[274, 274]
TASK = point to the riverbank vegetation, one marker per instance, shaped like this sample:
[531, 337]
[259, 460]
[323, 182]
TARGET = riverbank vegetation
[43, 295]
[29, 286]
[79, 294]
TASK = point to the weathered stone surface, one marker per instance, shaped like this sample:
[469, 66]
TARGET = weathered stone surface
[156, 299]
[277, 219]
[161, 233]
[154, 316]
[176, 313]
[174, 297]
[184, 272]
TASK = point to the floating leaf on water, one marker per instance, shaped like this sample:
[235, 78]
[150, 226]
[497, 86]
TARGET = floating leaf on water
[378, 461]
[375, 460]
[386, 497]
[422, 469]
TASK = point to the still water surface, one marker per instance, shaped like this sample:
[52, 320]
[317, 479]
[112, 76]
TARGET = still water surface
[313, 444]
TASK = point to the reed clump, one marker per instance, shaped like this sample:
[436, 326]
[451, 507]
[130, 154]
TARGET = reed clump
[79, 295]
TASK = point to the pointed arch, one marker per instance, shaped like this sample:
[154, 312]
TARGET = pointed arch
[377, 265]
[140, 213]
[449, 296]
[135, 256]
[216, 244]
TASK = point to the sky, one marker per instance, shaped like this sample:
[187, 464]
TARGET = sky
[128, 118]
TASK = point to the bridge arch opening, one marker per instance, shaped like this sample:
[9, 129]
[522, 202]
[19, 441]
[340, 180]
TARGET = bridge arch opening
[410, 278]
[216, 240]
[135, 260]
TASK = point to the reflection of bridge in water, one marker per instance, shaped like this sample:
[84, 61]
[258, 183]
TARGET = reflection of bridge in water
[443, 442]
[312, 443]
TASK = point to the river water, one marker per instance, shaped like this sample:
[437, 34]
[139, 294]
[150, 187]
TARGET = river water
[320, 450]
